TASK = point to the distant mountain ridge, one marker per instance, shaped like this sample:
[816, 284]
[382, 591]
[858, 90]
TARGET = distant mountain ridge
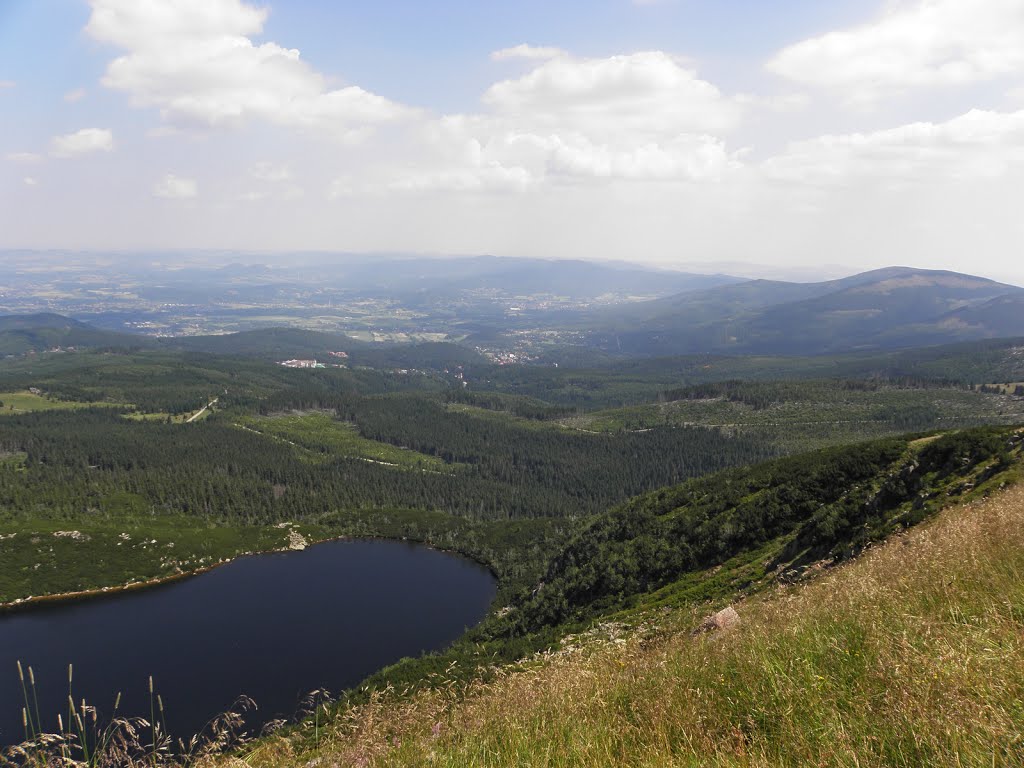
[891, 308]
[881, 309]
[21, 334]
[25, 334]
[398, 276]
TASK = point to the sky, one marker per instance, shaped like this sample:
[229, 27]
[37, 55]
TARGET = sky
[820, 138]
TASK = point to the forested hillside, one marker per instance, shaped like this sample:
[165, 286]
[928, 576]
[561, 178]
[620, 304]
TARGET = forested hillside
[124, 467]
[75, 460]
[774, 518]
[240, 443]
[121, 443]
[908, 656]
[891, 308]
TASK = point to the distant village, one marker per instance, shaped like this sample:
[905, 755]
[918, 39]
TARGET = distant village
[315, 363]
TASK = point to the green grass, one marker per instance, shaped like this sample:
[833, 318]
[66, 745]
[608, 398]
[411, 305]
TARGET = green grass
[319, 437]
[26, 402]
[911, 655]
[123, 543]
[504, 417]
[808, 415]
[118, 547]
[13, 459]
[178, 418]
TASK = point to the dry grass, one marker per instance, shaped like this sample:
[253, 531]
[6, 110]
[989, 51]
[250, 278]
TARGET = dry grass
[912, 655]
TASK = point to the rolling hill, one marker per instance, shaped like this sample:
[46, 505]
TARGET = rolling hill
[892, 308]
[26, 334]
[22, 334]
[907, 655]
[268, 343]
[882, 309]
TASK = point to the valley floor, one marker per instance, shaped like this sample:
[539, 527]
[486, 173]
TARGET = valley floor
[911, 655]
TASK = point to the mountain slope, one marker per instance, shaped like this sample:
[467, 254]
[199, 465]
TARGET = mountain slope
[1002, 316]
[909, 655]
[785, 514]
[756, 294]
[888, 308]
[20, 334]
[268, 343]
[874, 313]
[510, 276]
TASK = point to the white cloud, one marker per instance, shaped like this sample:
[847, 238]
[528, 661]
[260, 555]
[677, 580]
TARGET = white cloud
[342, 187]
[195, 61]
[979, 144]
[489, 178]
[176, 188]
[267, 171]
[528, 52]
[82, 142]
[24, 157]
[285, 192]
[76, 95]
[643, 116]
[913, 44]
[684, 157]
[7, 84]
[788, 102]
[636, 94]
[612, 156]
[29, 181]
[269, 180]
[1015, 96]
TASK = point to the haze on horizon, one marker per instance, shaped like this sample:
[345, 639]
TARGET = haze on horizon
[664, 132]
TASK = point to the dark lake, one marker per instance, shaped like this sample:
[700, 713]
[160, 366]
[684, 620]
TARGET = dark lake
[273, 627]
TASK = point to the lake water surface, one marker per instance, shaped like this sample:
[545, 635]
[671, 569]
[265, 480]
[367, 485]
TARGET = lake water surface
[272, 627]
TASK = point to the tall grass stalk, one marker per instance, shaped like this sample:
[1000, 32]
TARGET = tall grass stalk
[35, 698]
[86, 742]
[26, 712]
[152, 723]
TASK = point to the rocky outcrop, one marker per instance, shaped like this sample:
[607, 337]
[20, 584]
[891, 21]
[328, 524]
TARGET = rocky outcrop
[717, 622]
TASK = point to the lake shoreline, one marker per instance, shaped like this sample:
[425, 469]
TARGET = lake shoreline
[353, 607]
[38, 601]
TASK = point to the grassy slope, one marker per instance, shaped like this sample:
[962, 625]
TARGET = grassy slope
[48, 556]
[319, 436]
[28, 402]
[737, 531]
[816, 414]
[619, 383]
[911, 655]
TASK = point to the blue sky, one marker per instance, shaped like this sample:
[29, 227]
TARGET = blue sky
[788, 136]
[431, 53]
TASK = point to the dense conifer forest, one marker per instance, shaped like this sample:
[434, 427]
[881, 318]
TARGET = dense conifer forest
[591, 496]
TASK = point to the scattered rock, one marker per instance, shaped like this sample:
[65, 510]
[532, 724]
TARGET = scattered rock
[716, 622]
[296, 540]
[74, 535]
